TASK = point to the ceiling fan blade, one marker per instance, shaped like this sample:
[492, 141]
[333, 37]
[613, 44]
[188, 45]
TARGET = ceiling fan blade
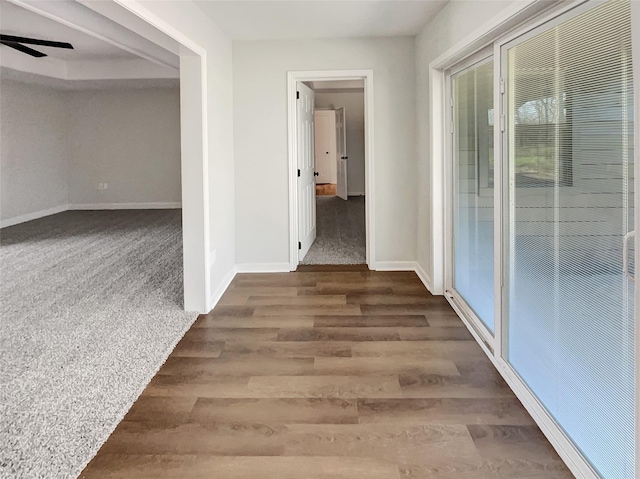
[35, 41]
[23, 49]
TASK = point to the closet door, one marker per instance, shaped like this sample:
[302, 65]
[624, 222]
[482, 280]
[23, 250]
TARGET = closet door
[472, 280]
[325, 145]
[570, 207]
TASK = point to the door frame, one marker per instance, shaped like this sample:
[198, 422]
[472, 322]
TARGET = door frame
[327, 75]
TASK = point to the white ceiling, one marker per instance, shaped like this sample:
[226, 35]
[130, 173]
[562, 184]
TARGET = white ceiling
[58, 84]
[15, 20]
[104, 51]
[271, 20]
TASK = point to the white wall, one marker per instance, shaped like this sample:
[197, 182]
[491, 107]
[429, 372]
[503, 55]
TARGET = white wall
[260, 121]
[455, 21]
[33, 155]
[57, 145]
[129, 139]
[353, 103]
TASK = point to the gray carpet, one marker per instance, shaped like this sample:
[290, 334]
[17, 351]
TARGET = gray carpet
[341, 235]
[91, 307]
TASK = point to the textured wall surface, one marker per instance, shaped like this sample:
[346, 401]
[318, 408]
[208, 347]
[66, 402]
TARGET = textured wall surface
[33, 152]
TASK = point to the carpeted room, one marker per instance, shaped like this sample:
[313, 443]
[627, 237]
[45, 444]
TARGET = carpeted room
[91, 307]
[91, 273]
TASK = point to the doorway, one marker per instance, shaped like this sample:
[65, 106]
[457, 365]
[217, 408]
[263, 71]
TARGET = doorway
[331, 175]
[194, 118]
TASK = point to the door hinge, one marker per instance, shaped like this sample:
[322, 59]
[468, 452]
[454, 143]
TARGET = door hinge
[297, 95]
[502, 123]
[502, 85]
[452, 127]
[299, 245]
[451, 102]
[298, 173]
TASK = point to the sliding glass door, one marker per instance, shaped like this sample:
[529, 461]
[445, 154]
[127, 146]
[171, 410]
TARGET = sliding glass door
[569, 208]
[547, 281]
[472, 215]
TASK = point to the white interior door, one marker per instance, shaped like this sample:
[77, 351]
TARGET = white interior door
[325, 140]
[341, 153]
[306, 169]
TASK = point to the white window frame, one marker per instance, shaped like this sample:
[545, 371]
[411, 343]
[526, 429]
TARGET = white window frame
[479, 58]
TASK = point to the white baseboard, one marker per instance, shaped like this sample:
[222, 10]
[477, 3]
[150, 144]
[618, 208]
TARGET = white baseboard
[262, 267]
[89, 206]
[424, 277]
[395, 266]
[33, 216]
[126, 206]
[406, 266]
[220, 290]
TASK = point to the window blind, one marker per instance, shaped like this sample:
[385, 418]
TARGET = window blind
[473, 193]
[570, 316]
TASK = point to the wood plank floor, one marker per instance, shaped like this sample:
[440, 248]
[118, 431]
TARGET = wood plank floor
[326, 189]
[327, 373]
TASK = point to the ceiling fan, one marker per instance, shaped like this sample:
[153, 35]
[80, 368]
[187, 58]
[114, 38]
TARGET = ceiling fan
[17, 44]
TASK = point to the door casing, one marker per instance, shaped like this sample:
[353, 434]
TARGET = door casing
[327, 75]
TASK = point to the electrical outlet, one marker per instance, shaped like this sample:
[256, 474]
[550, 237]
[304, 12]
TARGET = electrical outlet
[103, 186]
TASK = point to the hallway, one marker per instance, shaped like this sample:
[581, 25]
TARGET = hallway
[333, 373]
[341, 233]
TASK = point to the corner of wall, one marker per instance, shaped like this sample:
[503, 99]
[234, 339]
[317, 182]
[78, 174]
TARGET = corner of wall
[222, 286]
[67, 144]
[424, 277]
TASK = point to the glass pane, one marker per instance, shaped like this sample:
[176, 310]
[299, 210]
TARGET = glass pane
[570, 306]
[473, 189]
